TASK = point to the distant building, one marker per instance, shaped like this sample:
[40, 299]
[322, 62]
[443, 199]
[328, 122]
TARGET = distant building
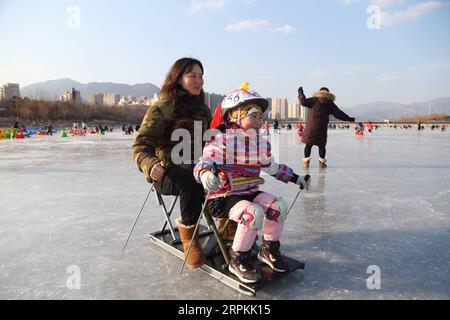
[73, 96]
[293, 110]
[279, 109]
[213, 100]
[131, 101]
[154, 99]
[111, 99]
[96, 99]
[303, 113]
[9, 91]
[268, 113]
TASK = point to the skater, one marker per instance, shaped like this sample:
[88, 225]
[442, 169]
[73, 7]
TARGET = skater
[300, 129]
[49, 129]
[276, 126]
[321, 106]
[359, 129]
[369, 126]
[240, 153]
[420, 127]
[181, 103]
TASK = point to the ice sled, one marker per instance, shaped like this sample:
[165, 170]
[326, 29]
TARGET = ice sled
[216, 252]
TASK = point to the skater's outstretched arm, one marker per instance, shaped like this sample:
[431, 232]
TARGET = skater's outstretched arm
[306, 102]
[339, 114]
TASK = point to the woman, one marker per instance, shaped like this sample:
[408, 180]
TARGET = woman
[320, 106]
[180, 105]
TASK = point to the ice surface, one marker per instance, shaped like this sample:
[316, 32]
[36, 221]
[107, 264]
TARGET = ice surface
[383, 201]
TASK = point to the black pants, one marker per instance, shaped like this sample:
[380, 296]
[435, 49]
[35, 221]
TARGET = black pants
[179, 180]
[322, 151]
[220, 207]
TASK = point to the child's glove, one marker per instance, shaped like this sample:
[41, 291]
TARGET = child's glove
[210, 181]
[304, 182]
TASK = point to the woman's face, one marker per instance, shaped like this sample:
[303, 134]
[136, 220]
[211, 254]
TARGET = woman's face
[192, 81]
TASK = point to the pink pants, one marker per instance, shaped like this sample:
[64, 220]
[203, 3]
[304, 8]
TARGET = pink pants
[245, 237]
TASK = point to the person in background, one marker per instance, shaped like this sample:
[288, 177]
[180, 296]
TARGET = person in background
[320, 106]
[276, 126]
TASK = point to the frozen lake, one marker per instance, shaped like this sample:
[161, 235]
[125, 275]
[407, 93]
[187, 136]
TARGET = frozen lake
[383, 202]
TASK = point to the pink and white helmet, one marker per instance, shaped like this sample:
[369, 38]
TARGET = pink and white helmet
[242, 96]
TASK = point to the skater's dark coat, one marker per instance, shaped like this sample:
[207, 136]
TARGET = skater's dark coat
[320, 106]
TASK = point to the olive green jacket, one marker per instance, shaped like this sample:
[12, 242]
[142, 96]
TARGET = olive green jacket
[153, 142]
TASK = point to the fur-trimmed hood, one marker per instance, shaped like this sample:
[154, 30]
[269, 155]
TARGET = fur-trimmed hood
[325, 94]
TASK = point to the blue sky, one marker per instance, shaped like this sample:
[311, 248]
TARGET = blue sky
[400, 52]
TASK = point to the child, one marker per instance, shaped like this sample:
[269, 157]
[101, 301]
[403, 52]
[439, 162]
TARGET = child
[239, 153]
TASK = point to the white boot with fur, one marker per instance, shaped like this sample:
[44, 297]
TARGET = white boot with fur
[306, 162]
[322, 163]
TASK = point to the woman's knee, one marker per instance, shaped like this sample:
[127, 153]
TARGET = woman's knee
[183, 176]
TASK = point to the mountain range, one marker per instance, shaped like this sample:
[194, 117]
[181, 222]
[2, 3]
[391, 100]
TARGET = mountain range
[52, 89]
[378, 111]
[375, 111]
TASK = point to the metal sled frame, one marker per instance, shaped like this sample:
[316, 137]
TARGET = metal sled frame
[168, 226]
[168, 238]
[217, 261]
[216, 274]
[216, 266]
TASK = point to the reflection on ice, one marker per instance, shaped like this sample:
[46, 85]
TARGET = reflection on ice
[383, 201]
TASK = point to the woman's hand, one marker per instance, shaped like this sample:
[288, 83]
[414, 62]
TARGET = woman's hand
[157, 172]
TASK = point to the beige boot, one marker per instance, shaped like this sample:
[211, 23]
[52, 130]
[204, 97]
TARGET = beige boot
[196, 256]
[306, 163]
[227, 230]
[322, 163]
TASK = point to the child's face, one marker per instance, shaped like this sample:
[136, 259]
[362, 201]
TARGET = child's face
[252, 121]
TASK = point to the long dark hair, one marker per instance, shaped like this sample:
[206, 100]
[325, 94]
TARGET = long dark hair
[171, 87]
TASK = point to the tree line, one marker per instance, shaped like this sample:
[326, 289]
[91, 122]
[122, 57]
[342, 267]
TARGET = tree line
[36, 110]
